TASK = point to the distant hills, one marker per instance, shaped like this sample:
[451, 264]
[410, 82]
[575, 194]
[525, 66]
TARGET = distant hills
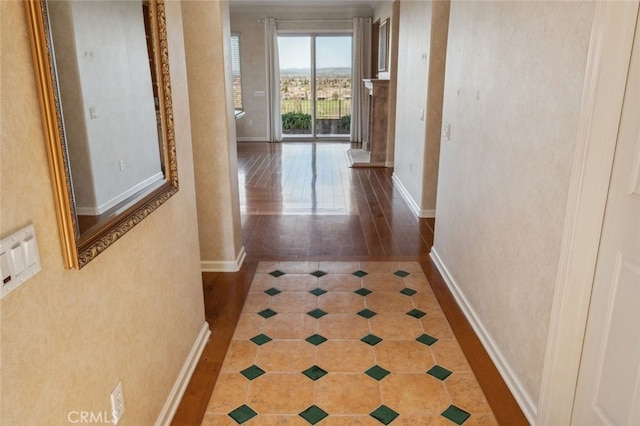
[320, 72]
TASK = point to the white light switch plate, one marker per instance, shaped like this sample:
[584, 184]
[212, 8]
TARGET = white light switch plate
[446, 131]
[19, 259]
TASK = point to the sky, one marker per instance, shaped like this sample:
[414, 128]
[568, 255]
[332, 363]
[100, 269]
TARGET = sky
[331, 52]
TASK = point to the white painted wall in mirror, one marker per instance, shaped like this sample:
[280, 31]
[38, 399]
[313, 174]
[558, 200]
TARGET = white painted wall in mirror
[107, 100]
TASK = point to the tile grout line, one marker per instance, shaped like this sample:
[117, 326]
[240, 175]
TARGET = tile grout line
[316, 328]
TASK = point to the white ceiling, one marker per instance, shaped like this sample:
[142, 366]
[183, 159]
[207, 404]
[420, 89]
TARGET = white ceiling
[353, 7]
[302, 3]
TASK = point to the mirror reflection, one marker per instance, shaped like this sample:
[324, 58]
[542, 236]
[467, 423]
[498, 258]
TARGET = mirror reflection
[103, 78]
[104, 61]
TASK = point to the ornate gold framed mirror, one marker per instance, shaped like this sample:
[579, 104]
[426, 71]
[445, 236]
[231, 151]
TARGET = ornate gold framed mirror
[102, 72]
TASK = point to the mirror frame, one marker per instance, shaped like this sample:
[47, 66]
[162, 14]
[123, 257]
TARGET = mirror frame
[78, 250]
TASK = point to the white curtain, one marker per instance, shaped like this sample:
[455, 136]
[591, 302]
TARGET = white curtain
[361, 69]
[274, 127]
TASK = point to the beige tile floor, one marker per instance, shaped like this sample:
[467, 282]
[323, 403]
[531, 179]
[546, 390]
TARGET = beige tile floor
[414, 373]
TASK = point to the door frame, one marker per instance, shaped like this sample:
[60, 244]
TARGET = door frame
[612, 33]
[313, 35]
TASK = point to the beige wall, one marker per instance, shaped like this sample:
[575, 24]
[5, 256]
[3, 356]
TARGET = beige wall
[413, 71]
[253, 126]
[383, 10]
[513, 90]
[421, 57]
[214, 141]
[133, 313]
[435, 93]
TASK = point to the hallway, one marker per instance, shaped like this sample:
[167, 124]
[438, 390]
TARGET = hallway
[301, 203]
[301, 199]
[344, 343]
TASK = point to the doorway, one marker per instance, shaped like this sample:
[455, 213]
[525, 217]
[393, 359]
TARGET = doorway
[315, 85]
[608, 389]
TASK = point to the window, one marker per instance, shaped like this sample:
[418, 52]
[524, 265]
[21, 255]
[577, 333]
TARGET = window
[235, 71]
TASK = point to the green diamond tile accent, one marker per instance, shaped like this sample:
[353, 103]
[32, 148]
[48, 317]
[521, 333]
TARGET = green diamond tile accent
[439, 372]
[360, 273]
[427, 340]
[314, 373]
[252, 372]
[416, 313]
[267, 313]
[317, 313]
[316, 339]
[261, 339]
[313, 414]
[401, 273]
[363, 291]
[377, 372]
[384, 414]
[318, 292]
[242, 414]
[272, 291]
[277, 273]
[318, 273]
[408, 291]
[366, 313]
[455, 414]
[371, 339]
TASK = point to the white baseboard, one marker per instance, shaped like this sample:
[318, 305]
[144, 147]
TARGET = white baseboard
[251, 139]
[429, 214]
[515, 386]
[407, 197]
[224, 265]
[95, 211]
[421, 213]
[177, 392]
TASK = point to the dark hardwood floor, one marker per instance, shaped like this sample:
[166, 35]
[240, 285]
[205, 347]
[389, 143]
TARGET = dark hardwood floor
[300, 201]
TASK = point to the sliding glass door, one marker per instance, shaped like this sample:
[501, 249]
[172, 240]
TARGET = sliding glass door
[296, 88]
[315, 85]
[333, 85]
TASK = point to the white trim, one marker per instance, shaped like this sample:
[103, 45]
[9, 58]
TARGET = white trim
[421, 213]
[95, 211]
[305, 31]
[606, 74]
[407, 196]
[314, 21]
[251, 139]
[428, 214]
[283, 7]
[182, 381]
[515, 386]
[224, 265]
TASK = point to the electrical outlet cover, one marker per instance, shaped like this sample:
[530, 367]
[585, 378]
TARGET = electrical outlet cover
[117, 403]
